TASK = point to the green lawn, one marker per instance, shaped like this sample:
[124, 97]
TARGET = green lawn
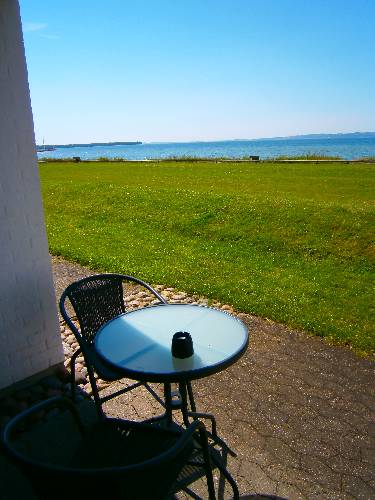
[290, 241]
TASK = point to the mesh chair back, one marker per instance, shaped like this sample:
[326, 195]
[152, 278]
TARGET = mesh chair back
[96, 300]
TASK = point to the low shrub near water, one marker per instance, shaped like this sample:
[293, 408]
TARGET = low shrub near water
[366, 159]
[103, 159]
[55, 160]
[288, 241]
[116, 159]
[307, 157]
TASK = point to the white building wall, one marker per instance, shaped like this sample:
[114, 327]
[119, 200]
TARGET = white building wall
[29, 330]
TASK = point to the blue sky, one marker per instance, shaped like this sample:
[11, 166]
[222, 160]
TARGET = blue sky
[181, 70]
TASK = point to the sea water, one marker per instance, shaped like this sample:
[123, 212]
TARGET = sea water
[345, 148]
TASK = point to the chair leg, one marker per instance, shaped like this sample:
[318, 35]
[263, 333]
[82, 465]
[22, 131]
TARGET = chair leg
[95, 391]
[191, 397]
[221, 485]
[191, 494]
[228, 477]
[168, 402]
[207, 464]
[73, 388]
[184, 405]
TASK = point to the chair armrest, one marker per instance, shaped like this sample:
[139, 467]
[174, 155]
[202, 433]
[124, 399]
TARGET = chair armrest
[207, 416]
[76, 332]
[67, 318]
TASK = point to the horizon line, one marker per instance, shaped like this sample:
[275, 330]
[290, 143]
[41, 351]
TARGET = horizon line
[214, 140]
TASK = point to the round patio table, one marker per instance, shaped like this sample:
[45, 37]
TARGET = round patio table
[139, 342]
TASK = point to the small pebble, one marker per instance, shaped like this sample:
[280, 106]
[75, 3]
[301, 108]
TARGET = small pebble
[80, 378]
[179, 296]
[226, 307]
[203, 301]
[67, 350]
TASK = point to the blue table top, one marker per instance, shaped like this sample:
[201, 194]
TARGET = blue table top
[139, 342]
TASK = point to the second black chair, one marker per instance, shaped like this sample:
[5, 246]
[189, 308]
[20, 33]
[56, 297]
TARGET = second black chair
[112, 458]
[96, 300]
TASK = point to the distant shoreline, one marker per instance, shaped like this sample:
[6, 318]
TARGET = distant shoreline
[88, 145]
[340, 135]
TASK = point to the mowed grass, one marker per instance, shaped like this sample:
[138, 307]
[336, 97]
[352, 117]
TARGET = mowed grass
[291, 242]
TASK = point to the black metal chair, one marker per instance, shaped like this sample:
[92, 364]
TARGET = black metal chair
[96, 300]
[112, 458]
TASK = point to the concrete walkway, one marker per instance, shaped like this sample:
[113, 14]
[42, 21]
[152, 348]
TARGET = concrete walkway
[299, 412]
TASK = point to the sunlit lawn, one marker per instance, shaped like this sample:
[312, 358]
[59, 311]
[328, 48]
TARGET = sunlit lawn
[291, 242]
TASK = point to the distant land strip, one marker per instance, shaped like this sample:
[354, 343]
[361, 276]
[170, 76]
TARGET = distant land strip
[340, 135]
[90, 144]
